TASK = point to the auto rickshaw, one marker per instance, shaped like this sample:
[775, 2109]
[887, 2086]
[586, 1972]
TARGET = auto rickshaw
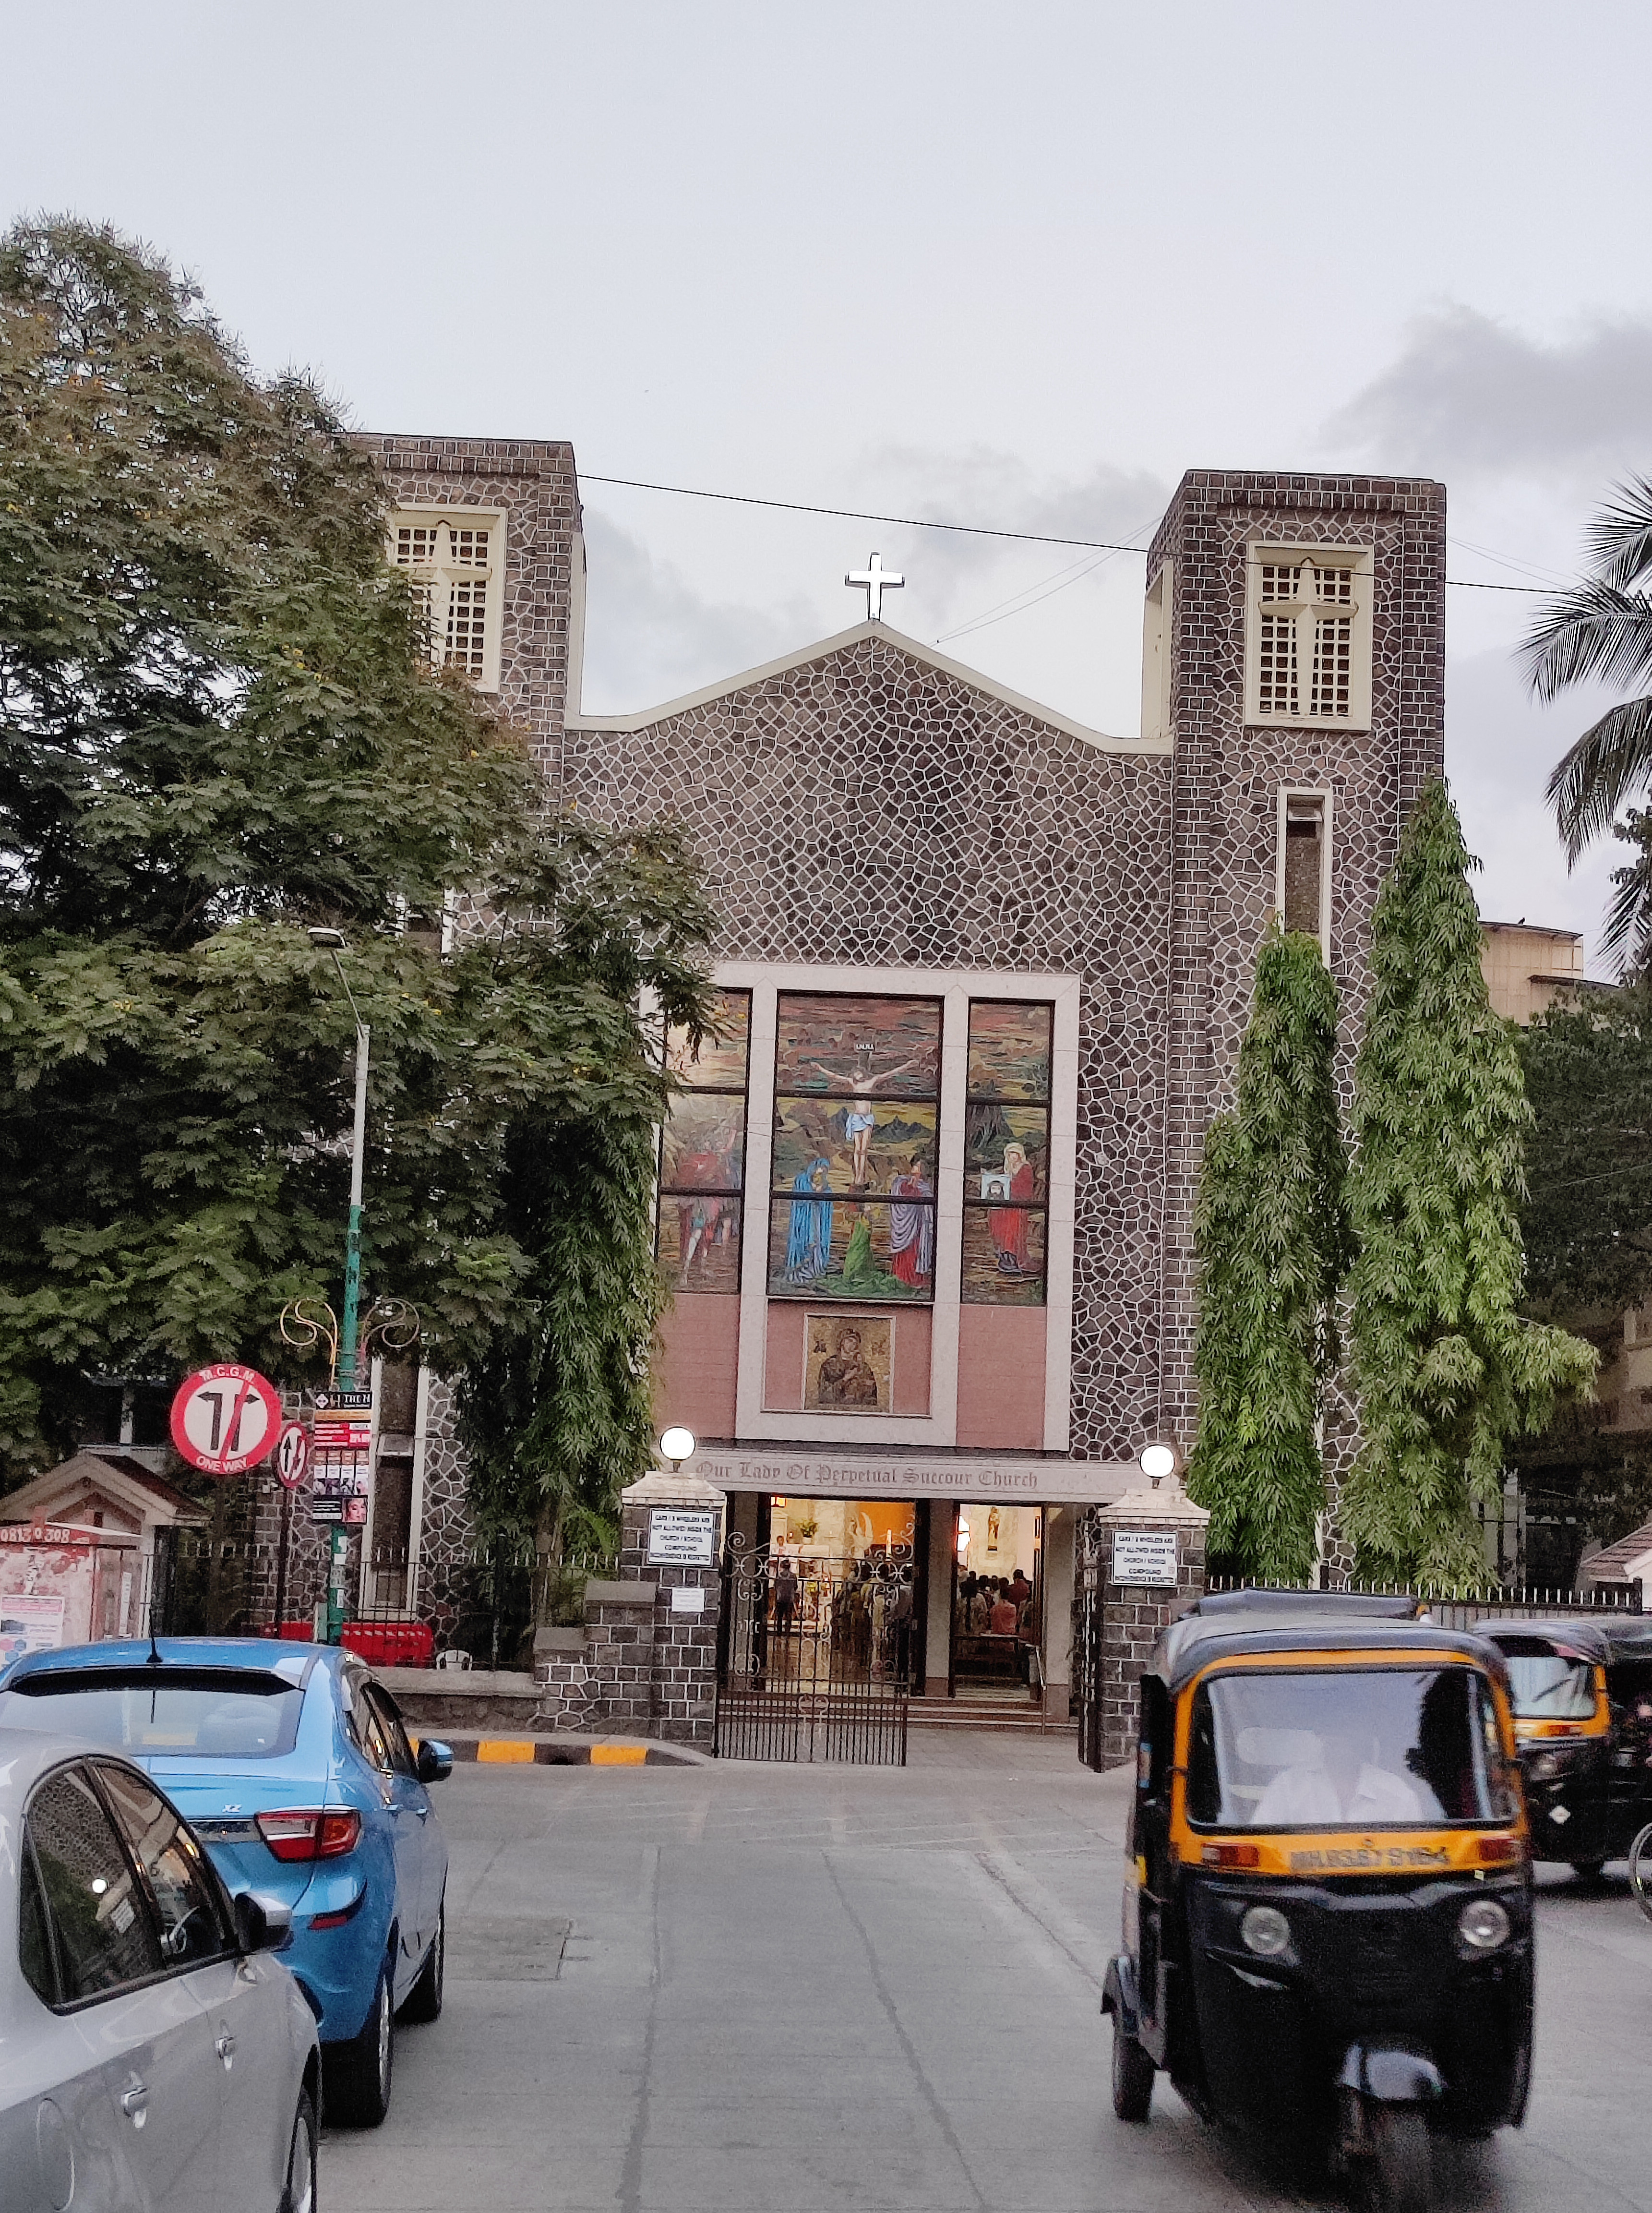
[1583, 1698]
[1328, 1920]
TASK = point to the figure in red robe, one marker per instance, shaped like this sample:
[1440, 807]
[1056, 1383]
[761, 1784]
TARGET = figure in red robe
[1009, 1224]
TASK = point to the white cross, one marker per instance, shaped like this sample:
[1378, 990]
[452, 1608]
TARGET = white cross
[876, 580]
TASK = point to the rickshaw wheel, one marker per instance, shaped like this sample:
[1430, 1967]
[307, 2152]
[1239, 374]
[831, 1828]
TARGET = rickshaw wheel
[1133, 2076]
[1586, 1870]
[1404, 2159]
[1640, 1870]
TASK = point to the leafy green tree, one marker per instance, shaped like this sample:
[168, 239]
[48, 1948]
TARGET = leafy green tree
[1445, 1366]
[1600, 630]
[1588, 1221]
[219, 727]
[1271, 1237]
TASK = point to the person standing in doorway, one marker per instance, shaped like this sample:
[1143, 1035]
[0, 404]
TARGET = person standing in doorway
[785, 1596]
[900, 1625]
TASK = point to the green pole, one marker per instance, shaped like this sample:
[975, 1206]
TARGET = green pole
[350, 1321]
[353, 1237]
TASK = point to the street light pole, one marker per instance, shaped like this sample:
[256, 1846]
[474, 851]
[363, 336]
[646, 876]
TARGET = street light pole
[353, 1235]
[332, 942]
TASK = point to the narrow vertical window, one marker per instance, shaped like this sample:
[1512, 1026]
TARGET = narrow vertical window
[1156, 652]
[1302, 893]
[457, 574]
[1006, 1152]
[1308, 637]
[703, 1153]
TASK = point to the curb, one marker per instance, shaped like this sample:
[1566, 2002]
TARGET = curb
[562, 1751]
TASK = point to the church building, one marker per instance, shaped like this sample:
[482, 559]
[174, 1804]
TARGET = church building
[925, 1202]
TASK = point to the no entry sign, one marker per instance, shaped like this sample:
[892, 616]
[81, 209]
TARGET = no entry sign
[292, 1455]
[225, 1418]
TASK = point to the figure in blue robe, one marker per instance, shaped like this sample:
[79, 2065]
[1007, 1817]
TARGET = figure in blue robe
[809, 1233]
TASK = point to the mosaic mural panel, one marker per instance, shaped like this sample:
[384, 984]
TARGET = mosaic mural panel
[854, 1147]
[1009, 1049]
[849, 1363]
[705, 1143]
[991, 1132]
[703, 1153]
[719, 1064]
[698, 1246]
[837, 1045]
[1003, 1256]
[852, 1248]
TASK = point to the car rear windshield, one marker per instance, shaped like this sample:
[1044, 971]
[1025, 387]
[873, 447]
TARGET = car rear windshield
[1548, 1685]
[196, 1713]
[1346, 1748]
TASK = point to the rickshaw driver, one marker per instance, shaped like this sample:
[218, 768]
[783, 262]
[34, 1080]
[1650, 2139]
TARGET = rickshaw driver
[1341, 1786]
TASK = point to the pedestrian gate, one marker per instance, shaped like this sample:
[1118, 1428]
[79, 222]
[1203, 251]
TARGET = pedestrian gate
[816, 1658]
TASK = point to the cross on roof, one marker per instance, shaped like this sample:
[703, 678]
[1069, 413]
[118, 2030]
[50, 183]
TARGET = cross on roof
[876, 580]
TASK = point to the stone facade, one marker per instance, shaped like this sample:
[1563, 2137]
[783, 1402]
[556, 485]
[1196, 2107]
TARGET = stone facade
[1126, 1619]
[868, 804]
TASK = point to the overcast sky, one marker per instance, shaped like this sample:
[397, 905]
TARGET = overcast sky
[1011, 265]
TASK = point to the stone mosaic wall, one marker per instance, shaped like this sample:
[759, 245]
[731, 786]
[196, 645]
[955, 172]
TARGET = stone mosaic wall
[868, 807]
[1227, 780]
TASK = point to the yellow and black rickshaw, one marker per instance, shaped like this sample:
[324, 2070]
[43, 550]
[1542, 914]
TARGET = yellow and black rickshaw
[1583, 1698]
[1327, 1918]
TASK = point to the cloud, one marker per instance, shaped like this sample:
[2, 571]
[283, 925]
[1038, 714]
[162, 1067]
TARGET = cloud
[983, 485]
[1500, 746]
[1469, 396]
[651, 637]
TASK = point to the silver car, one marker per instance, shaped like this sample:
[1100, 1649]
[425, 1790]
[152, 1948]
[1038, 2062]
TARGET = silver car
[154, 2053]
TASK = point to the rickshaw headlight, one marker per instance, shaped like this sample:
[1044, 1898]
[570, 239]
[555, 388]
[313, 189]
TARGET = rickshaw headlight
[1265, 1930]
[1544, 1766]
[1482, 1924]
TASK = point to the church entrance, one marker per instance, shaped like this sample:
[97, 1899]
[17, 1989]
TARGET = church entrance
[997, 1611]
[822, 1629]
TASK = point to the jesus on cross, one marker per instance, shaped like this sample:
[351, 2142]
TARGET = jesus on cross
[859, 1120]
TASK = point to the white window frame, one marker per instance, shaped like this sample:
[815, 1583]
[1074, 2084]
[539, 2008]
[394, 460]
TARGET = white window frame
[1305, 798]
[1155, 652]
[1304, 610]
[440, 577]
[954, 988]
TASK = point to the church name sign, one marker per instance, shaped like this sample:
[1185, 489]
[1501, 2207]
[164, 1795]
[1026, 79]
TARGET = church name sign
[801, 1474]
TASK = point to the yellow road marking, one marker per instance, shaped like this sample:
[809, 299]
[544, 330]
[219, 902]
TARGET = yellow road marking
[618, 1755]
[506, 1751]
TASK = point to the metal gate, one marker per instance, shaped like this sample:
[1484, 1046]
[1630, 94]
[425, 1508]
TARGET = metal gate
[816, 1657]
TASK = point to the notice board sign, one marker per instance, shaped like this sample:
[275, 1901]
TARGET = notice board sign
[682, 1537]
[1146, 1556]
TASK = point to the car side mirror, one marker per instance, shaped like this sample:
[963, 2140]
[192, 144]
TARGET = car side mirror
[434, 1761]
[262, 1923]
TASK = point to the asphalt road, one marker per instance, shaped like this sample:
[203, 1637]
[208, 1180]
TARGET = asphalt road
[842, 1990]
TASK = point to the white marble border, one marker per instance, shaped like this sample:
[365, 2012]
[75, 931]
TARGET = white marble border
[955, 988]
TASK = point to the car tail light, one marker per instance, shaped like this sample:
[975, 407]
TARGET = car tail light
[1501, 1851]
[311, 1832]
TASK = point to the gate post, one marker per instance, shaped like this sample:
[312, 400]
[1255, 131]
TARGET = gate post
[671, 1540]
[1144, 1564]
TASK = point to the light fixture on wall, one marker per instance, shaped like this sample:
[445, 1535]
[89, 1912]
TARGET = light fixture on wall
[1158, 1461]
[963, 1537]
[677, 1445]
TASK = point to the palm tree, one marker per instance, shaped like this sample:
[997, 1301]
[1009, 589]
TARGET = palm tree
[1602, 628]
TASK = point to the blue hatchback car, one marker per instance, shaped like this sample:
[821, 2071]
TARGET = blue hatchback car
[293, 1767]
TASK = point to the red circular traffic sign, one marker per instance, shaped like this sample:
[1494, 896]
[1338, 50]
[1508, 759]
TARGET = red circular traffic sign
[225, 1418]
[292, 1455]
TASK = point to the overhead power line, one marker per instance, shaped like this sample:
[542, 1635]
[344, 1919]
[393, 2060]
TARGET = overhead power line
[964, 529]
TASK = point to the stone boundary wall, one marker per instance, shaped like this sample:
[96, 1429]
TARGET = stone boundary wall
[639, 1666]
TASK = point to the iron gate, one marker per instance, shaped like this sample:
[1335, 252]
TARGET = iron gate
[817, 1657]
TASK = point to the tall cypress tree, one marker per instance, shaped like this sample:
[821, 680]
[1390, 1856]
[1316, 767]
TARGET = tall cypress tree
[1446, 1369]
[1271, 1239]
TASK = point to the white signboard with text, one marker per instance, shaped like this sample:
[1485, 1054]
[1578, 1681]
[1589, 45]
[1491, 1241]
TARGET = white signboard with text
[1146, 1556]
[682, 1537]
